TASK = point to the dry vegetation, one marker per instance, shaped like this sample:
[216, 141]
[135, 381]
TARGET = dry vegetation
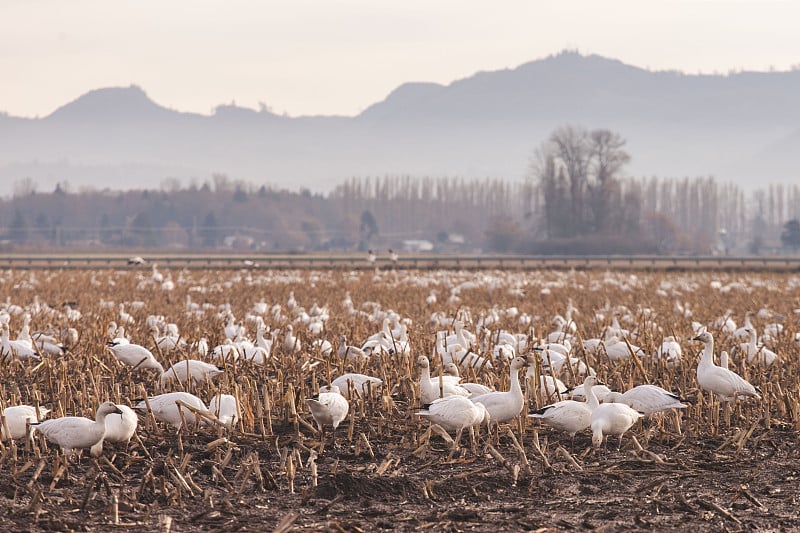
[715, 471]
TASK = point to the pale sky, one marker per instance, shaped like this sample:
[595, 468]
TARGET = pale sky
[305, 57]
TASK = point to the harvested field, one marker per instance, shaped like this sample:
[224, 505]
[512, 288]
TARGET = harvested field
[704, 468]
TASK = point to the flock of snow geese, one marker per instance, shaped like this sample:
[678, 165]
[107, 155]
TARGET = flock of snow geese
[501, 337]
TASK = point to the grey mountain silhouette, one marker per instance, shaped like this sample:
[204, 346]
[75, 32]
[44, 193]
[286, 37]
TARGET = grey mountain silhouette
[741, 127]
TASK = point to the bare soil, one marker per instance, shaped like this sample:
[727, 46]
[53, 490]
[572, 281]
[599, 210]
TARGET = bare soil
[678, 483]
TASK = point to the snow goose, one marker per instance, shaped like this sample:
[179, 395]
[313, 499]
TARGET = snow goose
[348, 351]
[135, 355]
[724, 383]
[48, 344]
[475, 389]
[757, 354]
[291, 343]
[198, 371]
[226, 409]
[119, 428]
[165, 408]
[328, 409]
[77, 432]
[441, 386]
[600, 391]
[505, 406]
[648, 399]
[610, 419]
[16, 420]
[361, 384]
[569, 416]
[742, 332]
[455, 413]
[15, 348]
[670, 350]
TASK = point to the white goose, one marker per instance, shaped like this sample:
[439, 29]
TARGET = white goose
[328, 409]
[17, 418]
[119, 428]
[14, 348]
[569, 416]
[77, 432]
[348, 351]
[647, 399]
[475, 389]
[757, 354]
[166, 409]
[361, 384]
[226, 409]
[135, 355]
[198, 371]
[455, 413]
[441, 386]
[610, 419]
[724, 383]
[505, 406]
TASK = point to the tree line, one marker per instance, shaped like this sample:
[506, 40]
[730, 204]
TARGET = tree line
[575, 199]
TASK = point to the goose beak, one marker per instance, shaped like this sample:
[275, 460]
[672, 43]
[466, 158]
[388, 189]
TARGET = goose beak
[117, 411]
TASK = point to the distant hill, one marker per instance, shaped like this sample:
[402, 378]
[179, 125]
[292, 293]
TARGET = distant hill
[741, 127]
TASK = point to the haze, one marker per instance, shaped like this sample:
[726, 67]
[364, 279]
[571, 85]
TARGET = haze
[337, 58]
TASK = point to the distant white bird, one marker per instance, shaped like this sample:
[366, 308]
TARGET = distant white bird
[756, 354]
[198, 371]
[135, 355]
[328, 409]
[226, 409]
[361, 384]
[14, 348]
[136, 260]
[17, 418]
[119, 428]
[291, 343]
[670, 350]
[77, 432]
[505, 406]
[724, 383]
[166, 409]
[348, 351]
[455, 413]
[438, 387]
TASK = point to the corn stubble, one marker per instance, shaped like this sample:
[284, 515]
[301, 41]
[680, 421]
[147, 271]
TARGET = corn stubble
[274, 448]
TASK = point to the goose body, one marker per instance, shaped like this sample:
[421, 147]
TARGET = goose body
[608, 418]
[226, 409]
[361, 384]
[570, 416]
[505, 406]
[724, 383]
[119, 428]
[17, 418]
[612, 419]
[475, 389]
[455, 413]
[329, 408]
[135, 355]
[166, 409]
[193, 369]
[439, 387]
[77, 432]
[758, 354]
[648, 399]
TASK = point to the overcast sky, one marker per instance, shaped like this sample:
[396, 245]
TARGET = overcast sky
[307, 57]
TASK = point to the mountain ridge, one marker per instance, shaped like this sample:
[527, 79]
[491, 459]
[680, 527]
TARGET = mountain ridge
[483, 125]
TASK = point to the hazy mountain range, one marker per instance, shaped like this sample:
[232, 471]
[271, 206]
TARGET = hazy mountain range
[741, 127]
